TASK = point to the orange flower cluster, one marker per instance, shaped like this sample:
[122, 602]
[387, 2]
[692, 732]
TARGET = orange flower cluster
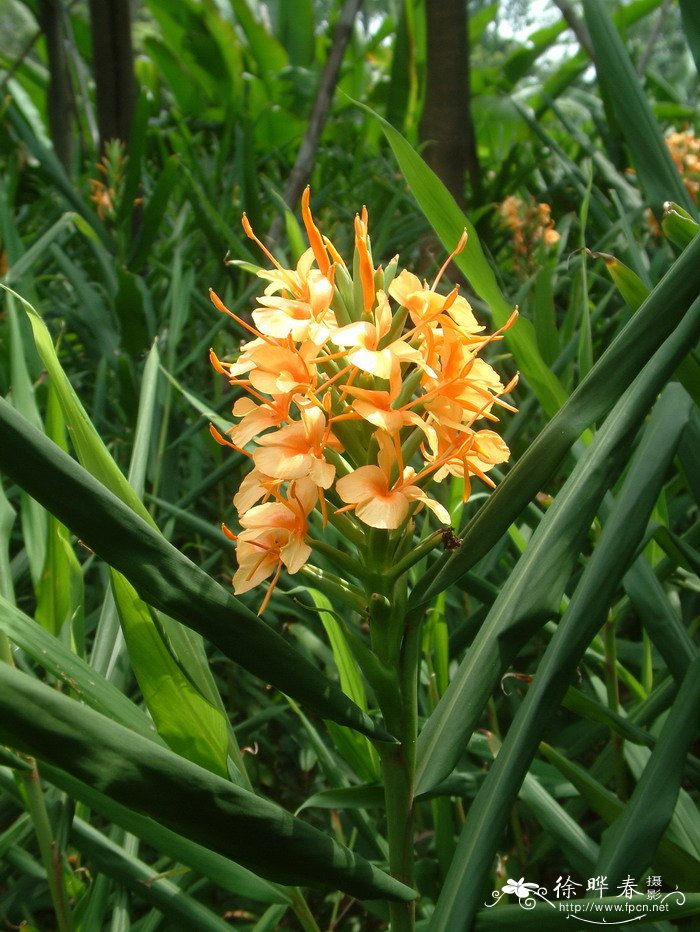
[106, 191]
[353, 404]
[685, 152]
[530, 224]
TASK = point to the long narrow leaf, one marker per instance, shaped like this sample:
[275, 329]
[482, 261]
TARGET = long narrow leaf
[629, 844]
[73, 672]
[532, 592]
[621, 535]
[161, 575]
[652, 159]
[610, 376]
[225, 873]
[189, 799]
[448, 221]
[690, 12]
[113, 861]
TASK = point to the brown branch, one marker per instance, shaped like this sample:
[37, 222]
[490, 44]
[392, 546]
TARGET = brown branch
[306, 157]
[654, 37]
[577, 26]
[113, 67]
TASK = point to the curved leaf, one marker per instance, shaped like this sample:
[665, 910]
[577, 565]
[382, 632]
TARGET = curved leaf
[186, 798]
[663, 310]
[630, 843]
[161, 575]
[448, 221]
[585, 614]
[534, 588]
[652, 159]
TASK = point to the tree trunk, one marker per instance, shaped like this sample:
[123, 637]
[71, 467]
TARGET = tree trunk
[446, 124]
[113, 68]
[61, 100]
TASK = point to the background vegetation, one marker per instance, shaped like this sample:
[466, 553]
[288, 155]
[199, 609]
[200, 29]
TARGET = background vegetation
[135, 709]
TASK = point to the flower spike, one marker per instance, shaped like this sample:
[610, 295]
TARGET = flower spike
[361, 412]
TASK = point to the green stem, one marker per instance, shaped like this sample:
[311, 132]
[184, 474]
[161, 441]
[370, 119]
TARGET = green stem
[48, 847]
[416, 555]
[302, 911]
[399, 643]
[342, 560]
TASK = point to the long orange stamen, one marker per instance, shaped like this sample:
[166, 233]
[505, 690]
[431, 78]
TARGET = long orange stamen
[335, 255]
[460, 246]
[220, 306]
[324, 507]
[335, 378]
[220, 439]
[313, 233]
[245, 223]
[351, 378]
[229, 533]
[271, 589]
[328, 357]
[217, 364]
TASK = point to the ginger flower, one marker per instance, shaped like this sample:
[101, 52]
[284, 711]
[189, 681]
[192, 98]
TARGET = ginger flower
[363, 339]
[379, 502]
[273, 537]
[530, 224]
[296, 451]
[309, 318]
[354, 397]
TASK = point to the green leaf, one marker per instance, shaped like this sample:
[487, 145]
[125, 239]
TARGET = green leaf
[533, 590]
[660, 618]
[690, 14]
[347, 797]
[611, 375]
[182, 796]
[74, 673]
[161, 575]
[351, 683]
[55, 173]
[36, 251]
[633, 290]
[655, 167]
[579, 850]
[33, 518]
[670, 858]
[60, 590]
[585, 614]
[266, 53]
[189, 723]
[154, 213]
[191, 726]
[678, 225]
[107, 857]
[630, 843]
[295, 29]
[225, 873]
[448, 221]
[593, 711]
[7, 520]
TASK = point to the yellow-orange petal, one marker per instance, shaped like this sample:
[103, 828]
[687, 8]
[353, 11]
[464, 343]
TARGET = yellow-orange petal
[312, 231]
[386, 512]
[364, 482]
